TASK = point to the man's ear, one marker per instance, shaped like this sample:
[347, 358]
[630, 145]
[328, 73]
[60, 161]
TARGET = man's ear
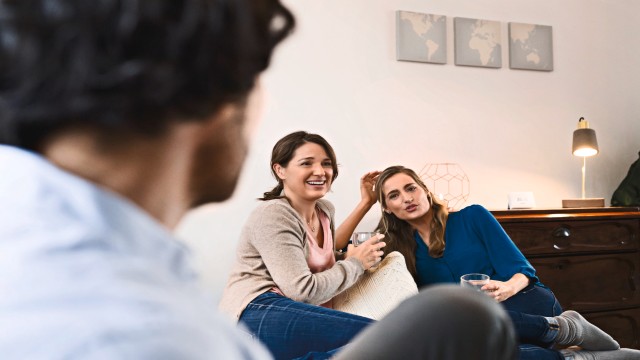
[279, 170]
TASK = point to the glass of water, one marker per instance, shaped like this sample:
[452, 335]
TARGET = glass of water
[359, 237]
[474, 281]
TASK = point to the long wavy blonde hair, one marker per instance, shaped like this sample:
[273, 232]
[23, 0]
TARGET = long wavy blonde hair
[399, 233]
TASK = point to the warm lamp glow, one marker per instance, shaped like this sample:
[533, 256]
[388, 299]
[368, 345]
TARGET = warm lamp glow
[585, 152]
[584, 140]
[584, 144]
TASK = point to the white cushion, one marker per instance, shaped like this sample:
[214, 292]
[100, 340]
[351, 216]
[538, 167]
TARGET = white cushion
[379, 290]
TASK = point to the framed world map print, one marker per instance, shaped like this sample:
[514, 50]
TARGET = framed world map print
[421, 37]
[477, 42]
[530, 47]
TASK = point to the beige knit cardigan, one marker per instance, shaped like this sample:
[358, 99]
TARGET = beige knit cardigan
[272, 252]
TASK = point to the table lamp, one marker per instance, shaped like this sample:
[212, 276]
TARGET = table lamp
[585, 144]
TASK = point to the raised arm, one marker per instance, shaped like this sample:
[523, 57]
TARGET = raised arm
[367, 199]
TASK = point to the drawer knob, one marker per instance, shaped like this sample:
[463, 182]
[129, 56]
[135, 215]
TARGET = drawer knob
[561, 236]
[561, 232]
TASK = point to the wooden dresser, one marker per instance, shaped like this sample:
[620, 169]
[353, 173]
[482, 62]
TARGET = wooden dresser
[590, 258]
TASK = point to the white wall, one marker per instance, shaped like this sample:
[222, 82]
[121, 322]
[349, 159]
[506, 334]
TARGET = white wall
[510, 130]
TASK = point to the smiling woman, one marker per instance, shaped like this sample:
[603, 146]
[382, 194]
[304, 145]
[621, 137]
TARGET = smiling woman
[287, 251]
[287, 274]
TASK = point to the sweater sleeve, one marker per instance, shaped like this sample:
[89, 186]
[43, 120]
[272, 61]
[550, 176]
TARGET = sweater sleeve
[280, 239]
[506, 259]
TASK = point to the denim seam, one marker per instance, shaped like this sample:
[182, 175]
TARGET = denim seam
[255, 306]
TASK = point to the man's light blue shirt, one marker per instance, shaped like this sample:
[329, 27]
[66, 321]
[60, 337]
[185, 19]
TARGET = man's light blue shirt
[86, 274]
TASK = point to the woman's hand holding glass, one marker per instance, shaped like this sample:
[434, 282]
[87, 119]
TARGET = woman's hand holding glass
[502, 290]
[369, 252]
[499, 290]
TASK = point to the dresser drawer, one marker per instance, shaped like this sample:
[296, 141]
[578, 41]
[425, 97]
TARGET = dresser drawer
[592, 282]
[558, 237]
[589, 257]
[622, 325]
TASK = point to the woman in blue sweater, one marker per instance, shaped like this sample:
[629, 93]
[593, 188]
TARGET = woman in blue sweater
[440, 247]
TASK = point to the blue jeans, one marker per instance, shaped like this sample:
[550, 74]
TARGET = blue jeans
[527, 310]
[446, 322]
[292, 329]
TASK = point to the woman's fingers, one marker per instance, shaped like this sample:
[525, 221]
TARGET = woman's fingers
[371, 174]
[497, 290]
[374, 255]
[370, 178]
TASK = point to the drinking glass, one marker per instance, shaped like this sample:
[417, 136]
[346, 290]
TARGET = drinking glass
[474, 281]
[358, 238]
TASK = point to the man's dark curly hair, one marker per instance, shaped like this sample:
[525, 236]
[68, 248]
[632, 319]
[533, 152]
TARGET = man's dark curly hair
[128, 64]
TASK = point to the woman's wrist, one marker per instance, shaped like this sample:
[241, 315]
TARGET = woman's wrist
[519, 281]
[355, 260]
[366, 204]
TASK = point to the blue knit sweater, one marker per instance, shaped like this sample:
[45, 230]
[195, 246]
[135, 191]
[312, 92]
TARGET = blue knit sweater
[474, 243]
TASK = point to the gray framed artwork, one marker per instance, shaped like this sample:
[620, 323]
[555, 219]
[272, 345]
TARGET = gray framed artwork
[477, 42]
[530, 47]
[421, 37]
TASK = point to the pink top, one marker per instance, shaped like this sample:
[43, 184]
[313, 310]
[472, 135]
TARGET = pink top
[319, 258]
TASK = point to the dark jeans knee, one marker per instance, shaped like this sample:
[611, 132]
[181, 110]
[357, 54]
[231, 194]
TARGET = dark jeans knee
[441, 322]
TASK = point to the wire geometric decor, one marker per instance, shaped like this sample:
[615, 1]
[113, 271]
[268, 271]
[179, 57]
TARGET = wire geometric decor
[448, 182]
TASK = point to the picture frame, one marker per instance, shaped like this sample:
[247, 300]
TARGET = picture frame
[477, 42]
[421, 37]
[530, 47]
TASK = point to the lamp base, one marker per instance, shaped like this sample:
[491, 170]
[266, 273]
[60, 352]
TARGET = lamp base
[580, 203]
